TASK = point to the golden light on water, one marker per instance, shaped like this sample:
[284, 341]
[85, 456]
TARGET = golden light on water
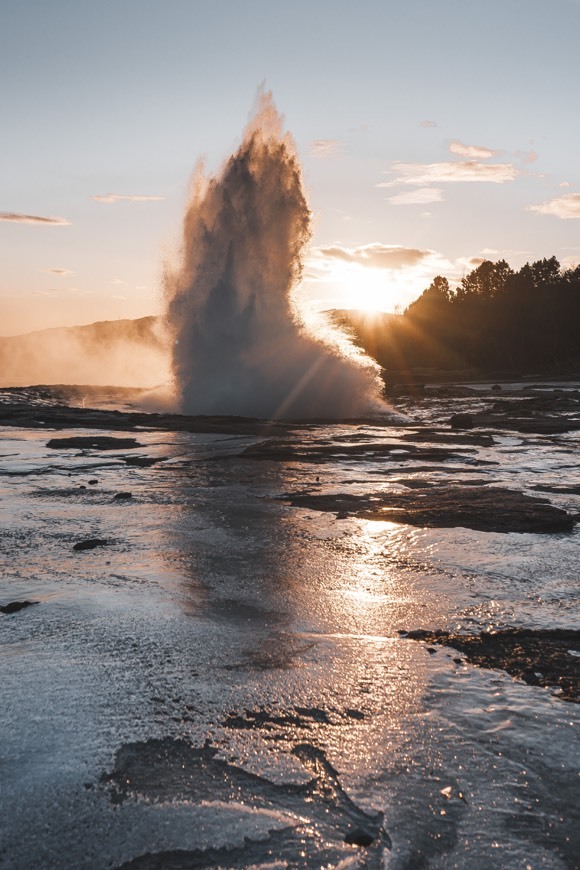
[372, 593]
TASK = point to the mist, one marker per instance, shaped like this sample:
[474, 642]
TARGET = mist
[123, 353]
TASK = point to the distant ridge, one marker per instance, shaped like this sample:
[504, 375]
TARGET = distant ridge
[145, 328]
[127, 353]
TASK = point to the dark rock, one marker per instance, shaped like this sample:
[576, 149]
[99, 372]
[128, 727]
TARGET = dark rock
[94, 442]
[462, 421]
[496, 388]
[122, 496]
[434, 436]
[546, 413]
[358, 837]
[141, 461]
[165, 770]
[93, 482]
[485, 509]
[302, 717]
[59, 416]
[15, 606]
[90, 544]
[351, 448]
[354, 714]
[538, 657]
[565, 490]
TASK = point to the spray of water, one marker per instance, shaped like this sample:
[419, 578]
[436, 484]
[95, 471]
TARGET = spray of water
[239, 345]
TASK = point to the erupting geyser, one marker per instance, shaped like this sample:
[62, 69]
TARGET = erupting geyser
[239, 346]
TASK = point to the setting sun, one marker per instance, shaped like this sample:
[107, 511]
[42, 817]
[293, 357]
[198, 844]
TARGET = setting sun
[363, 287]
[371, 291]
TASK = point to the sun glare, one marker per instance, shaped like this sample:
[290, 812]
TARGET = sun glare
[371, 292]
[376, 291]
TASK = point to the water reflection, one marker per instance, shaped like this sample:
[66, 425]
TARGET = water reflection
[218, 612]
[301, 611]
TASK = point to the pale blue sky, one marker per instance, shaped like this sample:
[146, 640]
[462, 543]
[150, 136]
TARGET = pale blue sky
[123, 97]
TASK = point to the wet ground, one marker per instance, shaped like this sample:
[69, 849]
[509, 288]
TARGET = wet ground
[226, 679]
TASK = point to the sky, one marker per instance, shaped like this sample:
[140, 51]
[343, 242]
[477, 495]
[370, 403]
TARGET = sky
[432, 135]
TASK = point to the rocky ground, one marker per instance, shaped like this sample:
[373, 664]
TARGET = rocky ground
[230, 643]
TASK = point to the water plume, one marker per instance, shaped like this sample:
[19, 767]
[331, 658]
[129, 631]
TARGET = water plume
[239, 344]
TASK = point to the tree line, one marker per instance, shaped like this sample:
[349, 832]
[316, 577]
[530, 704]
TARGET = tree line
[495, 320]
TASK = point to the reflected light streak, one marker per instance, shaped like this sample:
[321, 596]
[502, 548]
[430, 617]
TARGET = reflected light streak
[372, 595]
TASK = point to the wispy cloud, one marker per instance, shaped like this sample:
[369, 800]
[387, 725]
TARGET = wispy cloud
[129, 197]
[117, 281]
[565, 207]
[59, 291]
[459, 171]
[504, 253]
[374, 256]
[474, 152]
[63, 273]
[421, 196]
[13, 217]
[428, 124]
[324, 149]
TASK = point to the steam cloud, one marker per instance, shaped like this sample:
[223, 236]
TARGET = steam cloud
[239, 344]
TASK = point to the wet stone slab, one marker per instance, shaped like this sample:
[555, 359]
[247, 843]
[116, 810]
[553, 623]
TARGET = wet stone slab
[281, 450]
[93, 442]
[485, 509]
[549, 658]
[319, 820]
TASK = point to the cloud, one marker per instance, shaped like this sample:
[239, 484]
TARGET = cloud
[62, 272]
[129, 197]
[527, 156]
[373, 256]
[565, 207]
[12, 217]
[570, 262]
[475, 152]
[421, 196]
[469, 170]
[324, 149]
[504, 253]
[564, 184]
[428, 124]
[117, 281]
[58, 291]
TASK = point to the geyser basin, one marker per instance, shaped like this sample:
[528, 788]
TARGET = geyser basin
[239, 346]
